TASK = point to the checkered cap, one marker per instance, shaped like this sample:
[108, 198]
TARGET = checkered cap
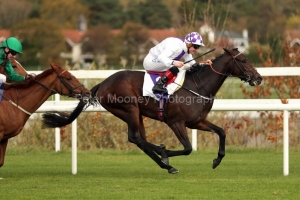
[194, 38]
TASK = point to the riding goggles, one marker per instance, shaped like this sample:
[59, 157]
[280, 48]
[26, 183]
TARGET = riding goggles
[196, 46]
[12, 52]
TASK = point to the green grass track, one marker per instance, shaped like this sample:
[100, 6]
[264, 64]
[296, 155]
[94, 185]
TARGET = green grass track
[243, 174]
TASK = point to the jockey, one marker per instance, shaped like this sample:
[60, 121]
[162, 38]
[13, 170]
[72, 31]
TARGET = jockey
[9, 49]
[165, 57]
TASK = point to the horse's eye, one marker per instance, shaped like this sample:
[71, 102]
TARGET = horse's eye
[69, 78]
[243, 61]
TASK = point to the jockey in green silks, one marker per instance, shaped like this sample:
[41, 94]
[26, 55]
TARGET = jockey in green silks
[8, 50]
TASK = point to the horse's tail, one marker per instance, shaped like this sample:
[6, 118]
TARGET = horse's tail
[54, 119]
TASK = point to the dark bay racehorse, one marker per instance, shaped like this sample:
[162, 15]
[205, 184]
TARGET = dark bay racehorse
[20, 100]
[121, 94]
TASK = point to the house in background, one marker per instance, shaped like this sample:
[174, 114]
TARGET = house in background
[293, 39]
[235, 39]
[225, 38]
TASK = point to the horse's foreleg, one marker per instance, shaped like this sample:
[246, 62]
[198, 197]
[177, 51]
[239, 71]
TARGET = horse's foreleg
[3, 145]
[208, 126]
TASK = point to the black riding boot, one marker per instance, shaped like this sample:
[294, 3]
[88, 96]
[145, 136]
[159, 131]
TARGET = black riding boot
[159, 85]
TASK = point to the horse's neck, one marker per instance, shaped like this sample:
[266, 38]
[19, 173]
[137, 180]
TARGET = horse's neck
[210, 81]
[33, 96]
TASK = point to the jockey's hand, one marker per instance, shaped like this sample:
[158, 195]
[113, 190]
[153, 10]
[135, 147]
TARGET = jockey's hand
[178, 64]
[186, 66]
[206, 62]
[30, 77]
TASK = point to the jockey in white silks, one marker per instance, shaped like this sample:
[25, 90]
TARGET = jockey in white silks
[165, 57]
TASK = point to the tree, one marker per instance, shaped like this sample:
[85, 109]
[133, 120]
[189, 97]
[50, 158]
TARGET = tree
[155, 14]
[42, 42]
[133, 36]
[105, 12]
[13, 11]
[133, 13]
[64, 13]
[97, 39]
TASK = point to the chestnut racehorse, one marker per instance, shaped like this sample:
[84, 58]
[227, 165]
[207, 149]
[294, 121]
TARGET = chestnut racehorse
[20, 100]
[196, 100]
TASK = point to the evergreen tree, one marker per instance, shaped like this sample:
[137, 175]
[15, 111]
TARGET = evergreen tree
[134, 13]
[105, 12]
[155, 14]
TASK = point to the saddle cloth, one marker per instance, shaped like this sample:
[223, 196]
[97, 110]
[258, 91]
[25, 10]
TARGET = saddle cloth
[150, 79]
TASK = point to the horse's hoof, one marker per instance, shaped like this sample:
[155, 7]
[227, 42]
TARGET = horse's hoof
[173, 171]
[215, 163]
[165, 161]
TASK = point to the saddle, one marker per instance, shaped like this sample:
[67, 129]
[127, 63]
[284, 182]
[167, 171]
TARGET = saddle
[173, 85]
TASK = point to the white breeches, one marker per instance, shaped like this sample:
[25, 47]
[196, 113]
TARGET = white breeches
[152, 64]
[2, 78]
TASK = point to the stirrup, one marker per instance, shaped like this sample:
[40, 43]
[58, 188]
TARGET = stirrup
[159, 90]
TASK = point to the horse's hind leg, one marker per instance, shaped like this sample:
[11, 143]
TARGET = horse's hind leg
[180, 131]
[3, 145]
[136, 135]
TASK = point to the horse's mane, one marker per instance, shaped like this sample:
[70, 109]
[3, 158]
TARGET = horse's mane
[203, 67]
[218, 56]
[27, 83]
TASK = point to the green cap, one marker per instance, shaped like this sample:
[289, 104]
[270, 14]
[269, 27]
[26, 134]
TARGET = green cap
[13, 44]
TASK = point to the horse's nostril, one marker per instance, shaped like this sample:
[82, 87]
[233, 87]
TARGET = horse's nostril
[259, 80]
[85, 99]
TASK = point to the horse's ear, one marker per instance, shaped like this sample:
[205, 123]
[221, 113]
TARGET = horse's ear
[226, 50]
[53, 65]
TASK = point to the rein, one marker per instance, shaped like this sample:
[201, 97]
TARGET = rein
[195, 93]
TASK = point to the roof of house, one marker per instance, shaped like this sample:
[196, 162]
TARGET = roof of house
[73, 34]
[161, 34]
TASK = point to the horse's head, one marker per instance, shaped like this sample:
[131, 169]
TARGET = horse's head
[242, 68]
[69, 84]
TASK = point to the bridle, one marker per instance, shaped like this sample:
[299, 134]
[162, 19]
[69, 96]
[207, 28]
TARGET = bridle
[245, 77]
[62, 82]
